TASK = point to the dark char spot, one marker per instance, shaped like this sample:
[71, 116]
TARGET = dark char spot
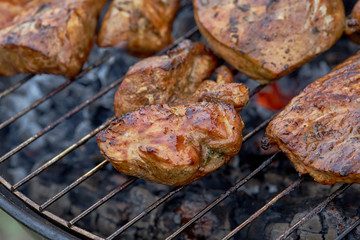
[315, 30]
[150, 149]
[243, 7]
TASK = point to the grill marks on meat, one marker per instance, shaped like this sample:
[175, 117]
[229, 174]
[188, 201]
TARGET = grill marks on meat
[268, 39]
[320, 129]
[47, 36]
[173, 145]
[143, 25]
[178, 77]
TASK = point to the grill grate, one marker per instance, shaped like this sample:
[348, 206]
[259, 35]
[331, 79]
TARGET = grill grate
[315, 210]
[264, 208]
[70, 225]
[16, 86]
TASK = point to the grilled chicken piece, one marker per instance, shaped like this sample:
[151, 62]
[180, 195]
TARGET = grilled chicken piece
[268, 39]
[47, 36]
[178, 77]
[160, 79]
[144, 26]
[320, 128]
[173, 145]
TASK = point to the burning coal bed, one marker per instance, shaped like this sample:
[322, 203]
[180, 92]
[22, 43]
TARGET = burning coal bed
[182, 206]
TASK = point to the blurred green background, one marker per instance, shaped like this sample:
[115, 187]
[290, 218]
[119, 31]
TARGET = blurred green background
[10, 229]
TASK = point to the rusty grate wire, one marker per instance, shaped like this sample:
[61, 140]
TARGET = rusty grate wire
[349, 229]
[16, 86]
[264, 208]
[41, 209]
[314, 211]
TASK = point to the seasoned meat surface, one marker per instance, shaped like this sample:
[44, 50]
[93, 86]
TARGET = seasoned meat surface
[173, 145]
[178, 77]
[224, 90]
[47, 36]
[320, 128]
[9, 9]
[268, 39]
[144, 26]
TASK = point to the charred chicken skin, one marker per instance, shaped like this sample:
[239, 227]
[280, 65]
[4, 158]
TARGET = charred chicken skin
[173, 145]
[178, 77]
[268, 39]
[47, 36]
[320, 128]
[143, 26]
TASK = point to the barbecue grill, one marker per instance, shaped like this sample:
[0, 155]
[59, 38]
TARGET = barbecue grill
[44, 214]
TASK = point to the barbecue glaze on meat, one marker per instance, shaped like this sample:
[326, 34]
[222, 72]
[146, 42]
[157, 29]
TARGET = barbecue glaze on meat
[144, 26]
[320, 128]
[178, 77]
[173, 145]
[268, 39]
[47, 36]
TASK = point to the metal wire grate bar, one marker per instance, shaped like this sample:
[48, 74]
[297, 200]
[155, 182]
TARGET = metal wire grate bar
[52, 93]
[16, 86]
[264, 208]
[257, 89]
[102, 201]
[314, 211]
[48, 214]
[223, 196]
[145, 212]
[58, 121]
[34, 105]
[62, 154]
[258, 128]
[74, 184]
[348, 230]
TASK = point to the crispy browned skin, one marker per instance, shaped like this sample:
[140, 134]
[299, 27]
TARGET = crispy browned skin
[320, 128]
[143, 26]
[47, 36]
[352, 28]
[268, 39]
[178, 77]
[173, 145]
